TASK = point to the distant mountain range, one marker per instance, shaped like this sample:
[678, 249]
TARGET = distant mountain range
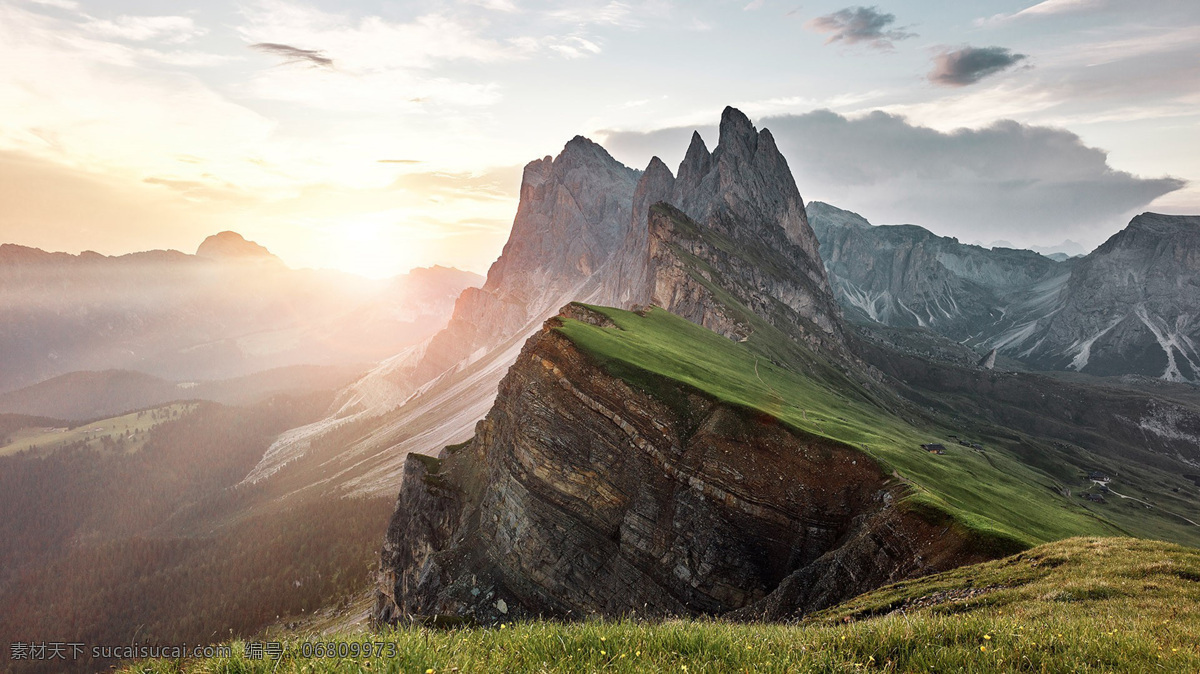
[1128, 307]
[80, 396]
[230, 310]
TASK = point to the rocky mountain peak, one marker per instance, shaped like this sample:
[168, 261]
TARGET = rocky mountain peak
[573, 214]
[227, 246]
[695, 162]
[1155, 226]
[580, 151]
[737, 134]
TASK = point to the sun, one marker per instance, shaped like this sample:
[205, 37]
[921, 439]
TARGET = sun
[372, 248]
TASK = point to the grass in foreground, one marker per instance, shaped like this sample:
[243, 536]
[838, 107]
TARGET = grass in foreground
[1080, 605]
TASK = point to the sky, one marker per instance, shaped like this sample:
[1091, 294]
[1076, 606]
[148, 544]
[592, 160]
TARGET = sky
[372, 137]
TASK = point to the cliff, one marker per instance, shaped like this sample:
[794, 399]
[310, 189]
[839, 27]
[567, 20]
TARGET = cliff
[907, 276]
[1131, 306]
[1128, 307]
[734, 224]
[730, 249]
[587, 493]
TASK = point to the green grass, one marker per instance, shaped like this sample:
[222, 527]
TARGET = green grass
[993, 494]
[130, 427]
[1079, 605]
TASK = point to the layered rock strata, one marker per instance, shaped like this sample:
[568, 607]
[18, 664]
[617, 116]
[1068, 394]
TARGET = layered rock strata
[581, 495]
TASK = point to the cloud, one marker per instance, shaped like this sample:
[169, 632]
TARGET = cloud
[171, 29]
[57, 4]
[111, 106]
[291, 54]
[615, 13]
[1051, 9]
[859, 24]
[497, 183]
[968, 65]
[495, 5]
[1028, 184]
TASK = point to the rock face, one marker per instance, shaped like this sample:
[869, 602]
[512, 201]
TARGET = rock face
[1132, 306]
[988, 362]
[581, 495]
[574, 210]
[904, 275]
[1128, 307]
[743, 230]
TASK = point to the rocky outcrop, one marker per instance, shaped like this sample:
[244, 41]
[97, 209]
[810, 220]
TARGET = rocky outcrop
[582, 495]
[574, 211]
[741, 228]
[988, 362]
[715, 281]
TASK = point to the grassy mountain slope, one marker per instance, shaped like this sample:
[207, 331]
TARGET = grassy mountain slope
[126, 433]
[1078, 605]
[993, 491]
[1047, 437]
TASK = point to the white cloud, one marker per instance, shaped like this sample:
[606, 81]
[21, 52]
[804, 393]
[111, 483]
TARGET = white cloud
[614, 13]
[171, 29]
[57, 4]
[572, 47]
[1051, 9]
[495, 5]
[74, 98]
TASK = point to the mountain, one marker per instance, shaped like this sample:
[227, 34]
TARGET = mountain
[1130, 307]
[637, 463]
[904, 275]
[574, 210]
[231, 310]
[1127, 307]
[80, 396]
[230, 246]
[731, 224]
[753, 233]
[1062, 251]
[613, 480]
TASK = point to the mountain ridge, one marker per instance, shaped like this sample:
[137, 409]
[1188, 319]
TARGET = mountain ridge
[1127, 307]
